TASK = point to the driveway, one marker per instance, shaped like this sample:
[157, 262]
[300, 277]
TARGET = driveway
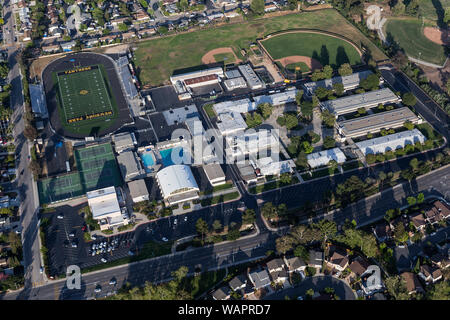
[318, 283]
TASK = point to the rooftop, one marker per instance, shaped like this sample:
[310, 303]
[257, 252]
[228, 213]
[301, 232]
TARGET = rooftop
[390, 142]
[322, 158]
[138, 188]
[349, 82]
[176, 179]
[103, 202]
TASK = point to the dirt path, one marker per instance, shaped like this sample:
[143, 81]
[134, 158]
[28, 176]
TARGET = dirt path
[312, 64]
[436, 35]
[208, 58]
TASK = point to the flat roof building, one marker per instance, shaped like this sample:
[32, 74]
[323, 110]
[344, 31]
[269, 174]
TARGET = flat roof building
[239, 106]
[270, 166]
[250, 76]
[235, 83]
[322, 158]
[197, 74]
[350, 82]
[38, 103]
[124, 141]
[214, 173]
[365, 100]
[251, 143]
[138, 190]
[105, 207]
[390, 142]
[177, 184]
[129, 165]
[231, 123]
[375, 122]
[277, 99]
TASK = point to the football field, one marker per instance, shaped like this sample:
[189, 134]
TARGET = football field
[84, 94]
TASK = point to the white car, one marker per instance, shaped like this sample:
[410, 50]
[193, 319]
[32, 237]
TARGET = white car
[41, 270]
[175, 221]
[185, 219]
[60, 216]
[113, 282]
[103, 260]
[98, 289]
[164, 239]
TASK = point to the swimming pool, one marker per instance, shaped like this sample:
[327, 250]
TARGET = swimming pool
[166, 156]
[147, 159]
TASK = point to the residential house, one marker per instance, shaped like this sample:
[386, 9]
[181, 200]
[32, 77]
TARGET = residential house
[443, 208]
[128, 35]
[440, 261]
[295, 264]
[275, 265]
[338, 261]
[402, 219]
[315, 259]
[358, 266]
[260, 279]
[412, 283]
[371, 280]
[279, 276]
[51, 48]
[222, 293]
[382, 232]
[108, 38]
[438, 212]
[419, 221]
[238, 283]
[430, 274]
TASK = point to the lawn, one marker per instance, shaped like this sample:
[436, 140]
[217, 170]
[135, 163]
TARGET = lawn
[219, 199]
[227, 57]
[323, 48]
[302, 67]
[85, 99]
[158, 58]
[198, 285]
[408, 34]
[429, 9]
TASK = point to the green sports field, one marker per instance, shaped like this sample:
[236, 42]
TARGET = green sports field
[158, 58]
[429, 9]
[96, 169]
[84, 99]
[409, 35]
[292, 67]
[324, 48]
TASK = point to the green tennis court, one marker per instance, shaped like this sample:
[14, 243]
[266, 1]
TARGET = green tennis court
[97, 168]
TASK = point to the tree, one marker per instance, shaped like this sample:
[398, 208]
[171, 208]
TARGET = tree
[217, 225]
[396, 287]
[6, 211]
[327, 72]
[302, 160]
[345, 70]
[233, 235]
[301, 252]
[327, 229]
[307, 147]
[123, 27]
[30, 132]
[329, 142]
[249, 216]
[409, 99]
[202, 227]
[420, 198]
[292, 4]
[439, 291]
[411, 201]
[257, 7]
[412, 8]
[322, 93]
[253, 121]
[299, 97]
[372, 82]
[284, 244]
[361, 110]
[399, 8]
[315, 101]
[338, 88]
[265, 109]
[328, 118]
[408, 125]
[447, 21]
[306, 109]
[180, 274]
[291, 121]
[269, 211]
[35, 167]
[400, 233]
[414, 164]
[285, 178]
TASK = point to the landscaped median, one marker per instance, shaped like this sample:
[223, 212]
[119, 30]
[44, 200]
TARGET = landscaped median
[219, 199]
[275, 184]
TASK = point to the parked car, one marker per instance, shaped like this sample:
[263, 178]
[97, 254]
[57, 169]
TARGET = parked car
[74, 244]
[103, 260]
[41, 270]
[113, 282]
[98, 289]
[164, 239]
[60, 216]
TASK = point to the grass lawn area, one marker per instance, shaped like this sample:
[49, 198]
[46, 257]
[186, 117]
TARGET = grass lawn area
[292, 67]
[227, 57]
[209, 110]
[271, 185]
[218, 188]
[408, 34]
[197, 285]
[324, 48]
[219, 199]
[150, 250]
[428, 10]
[158, 58]
[319, 173]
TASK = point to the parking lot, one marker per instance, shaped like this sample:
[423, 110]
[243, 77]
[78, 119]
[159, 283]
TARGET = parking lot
[66, 245]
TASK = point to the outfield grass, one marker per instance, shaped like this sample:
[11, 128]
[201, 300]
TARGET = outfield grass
[408, 34]
[158, 58]
[323, 48]
[428, 10]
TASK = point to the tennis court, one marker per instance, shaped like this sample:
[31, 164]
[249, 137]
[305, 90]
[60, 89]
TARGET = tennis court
[97, 168]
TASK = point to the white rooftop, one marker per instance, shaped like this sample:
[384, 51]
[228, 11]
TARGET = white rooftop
[103, 202]
[322, 158]
[176, 178]
[239, 106]
[277, 99]
[350, 81]
[231, 122]
[390, 142]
